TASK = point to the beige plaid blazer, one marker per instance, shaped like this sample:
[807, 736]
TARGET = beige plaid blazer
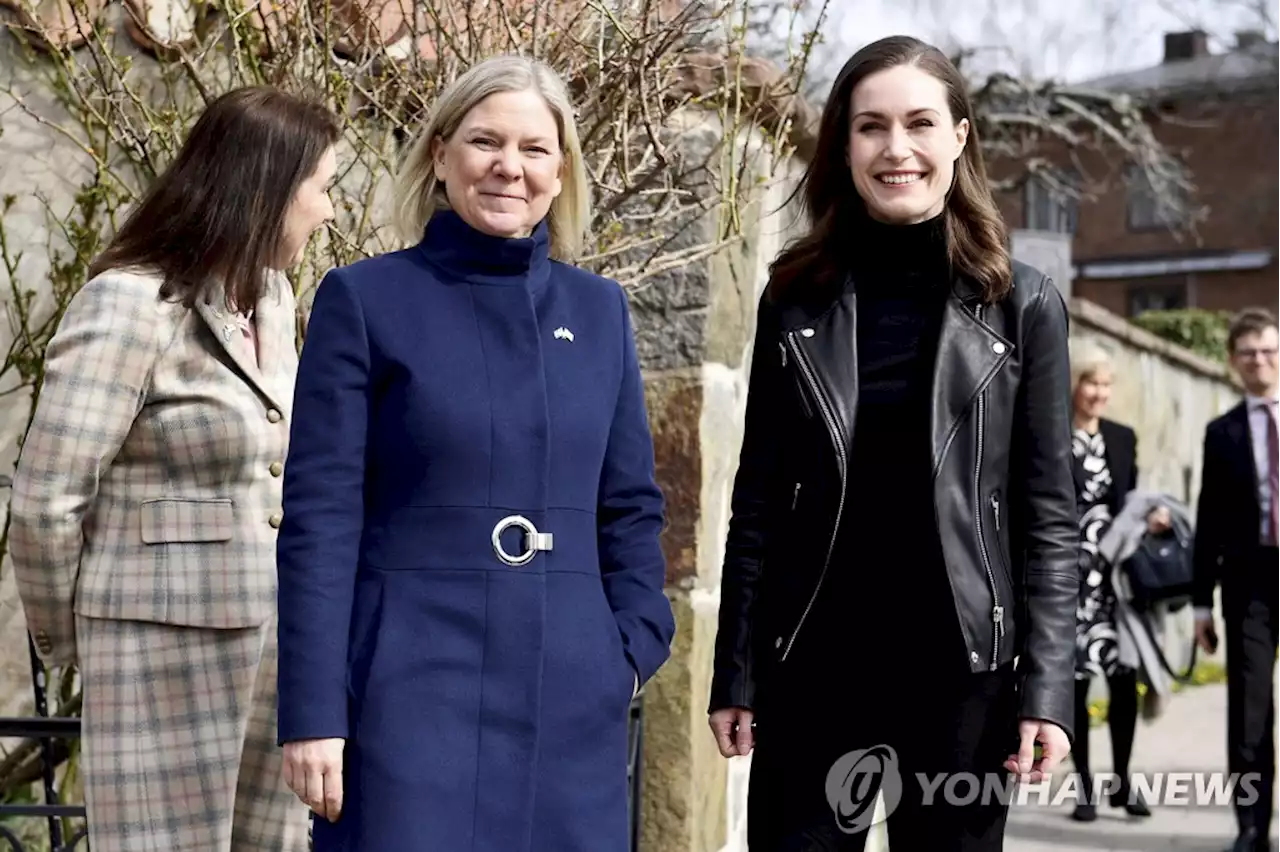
[149, 482]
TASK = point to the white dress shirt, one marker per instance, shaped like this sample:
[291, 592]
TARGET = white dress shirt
[1258, 434]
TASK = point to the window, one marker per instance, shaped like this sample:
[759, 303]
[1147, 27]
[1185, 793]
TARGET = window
[1047, 205]
[1147, 209]
[1157, 294]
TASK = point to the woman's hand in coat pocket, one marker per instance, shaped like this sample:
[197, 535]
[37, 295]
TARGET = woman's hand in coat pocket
[313, 771]
[733, 729]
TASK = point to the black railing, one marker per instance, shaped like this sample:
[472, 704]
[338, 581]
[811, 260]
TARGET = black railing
[50, 731]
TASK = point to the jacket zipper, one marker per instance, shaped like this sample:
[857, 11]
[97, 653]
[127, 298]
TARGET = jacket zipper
[829, 418]
[997, 610]
[804, 398]
[795, 497]
[995, 512]
[1004, 561]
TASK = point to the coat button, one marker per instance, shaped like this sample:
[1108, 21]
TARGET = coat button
[275, 520]
[43, 643]
[998, 347]
[273, 415]
[276, 468]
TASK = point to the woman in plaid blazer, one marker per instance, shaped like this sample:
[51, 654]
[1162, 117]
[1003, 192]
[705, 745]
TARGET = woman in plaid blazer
[148, 491]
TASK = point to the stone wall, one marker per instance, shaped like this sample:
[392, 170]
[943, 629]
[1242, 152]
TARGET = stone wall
[694, 330]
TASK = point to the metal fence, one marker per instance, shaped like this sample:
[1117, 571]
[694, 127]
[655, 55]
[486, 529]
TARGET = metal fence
[54, 734]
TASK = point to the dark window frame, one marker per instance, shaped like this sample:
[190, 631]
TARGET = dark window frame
[1049, 208]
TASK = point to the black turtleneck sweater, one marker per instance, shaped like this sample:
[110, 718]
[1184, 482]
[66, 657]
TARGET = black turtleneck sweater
[889, 595]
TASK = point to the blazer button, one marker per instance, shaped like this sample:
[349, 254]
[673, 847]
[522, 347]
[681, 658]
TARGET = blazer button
[275, 520]
[273, 415]
[43, 643]
[276, 468]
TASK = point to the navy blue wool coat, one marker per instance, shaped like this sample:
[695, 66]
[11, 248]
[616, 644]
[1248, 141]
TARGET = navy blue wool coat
[440, 390]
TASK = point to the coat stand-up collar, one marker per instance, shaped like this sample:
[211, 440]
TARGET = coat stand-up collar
[463, 253]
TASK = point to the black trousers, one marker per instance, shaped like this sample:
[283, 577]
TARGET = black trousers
[1249, 592]
[1122, 719]
[917, 723]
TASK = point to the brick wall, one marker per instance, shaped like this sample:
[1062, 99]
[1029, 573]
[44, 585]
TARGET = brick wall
[1231, 150]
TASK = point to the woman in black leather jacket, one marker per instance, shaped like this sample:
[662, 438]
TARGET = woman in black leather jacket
[899, 589]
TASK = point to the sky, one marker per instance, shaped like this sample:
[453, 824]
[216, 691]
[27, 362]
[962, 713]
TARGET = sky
[1068, 40]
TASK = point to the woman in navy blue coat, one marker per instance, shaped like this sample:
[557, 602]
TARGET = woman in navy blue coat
[471, 584]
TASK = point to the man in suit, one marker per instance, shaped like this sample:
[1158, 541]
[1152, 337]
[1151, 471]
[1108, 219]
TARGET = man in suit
[1236, 535]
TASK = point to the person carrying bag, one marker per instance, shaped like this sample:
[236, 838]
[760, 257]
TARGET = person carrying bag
[1151, 573]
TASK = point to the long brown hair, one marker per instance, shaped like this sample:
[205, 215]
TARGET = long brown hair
[217, 212]
[975, 232]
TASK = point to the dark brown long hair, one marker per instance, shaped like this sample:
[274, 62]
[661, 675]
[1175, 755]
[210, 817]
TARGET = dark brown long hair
[217, 212]
[975, 231]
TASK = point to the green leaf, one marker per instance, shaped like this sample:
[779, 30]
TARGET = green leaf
[1201, 331]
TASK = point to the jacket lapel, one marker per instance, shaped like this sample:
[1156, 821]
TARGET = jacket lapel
[229, 337]
[970, 353]
[826, 350]
[1242, 439]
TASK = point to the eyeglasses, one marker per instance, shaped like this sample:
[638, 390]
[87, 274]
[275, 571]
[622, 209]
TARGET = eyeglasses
[1249, 354]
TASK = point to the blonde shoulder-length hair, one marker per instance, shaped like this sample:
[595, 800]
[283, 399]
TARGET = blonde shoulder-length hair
[419, 194]
[1088, 359]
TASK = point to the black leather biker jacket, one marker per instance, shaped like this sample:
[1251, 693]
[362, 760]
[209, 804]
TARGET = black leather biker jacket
[1004, 496]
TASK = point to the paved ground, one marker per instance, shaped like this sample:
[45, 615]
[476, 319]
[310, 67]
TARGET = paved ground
[1189, 736]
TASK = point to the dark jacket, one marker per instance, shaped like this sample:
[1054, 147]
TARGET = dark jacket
[1122, 461]
[1004, 498]
[1228, 516]
[443, 389]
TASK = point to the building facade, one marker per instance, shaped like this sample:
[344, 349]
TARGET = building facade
[1218, 114]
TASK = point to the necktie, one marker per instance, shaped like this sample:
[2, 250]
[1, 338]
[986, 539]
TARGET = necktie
[1273, 470]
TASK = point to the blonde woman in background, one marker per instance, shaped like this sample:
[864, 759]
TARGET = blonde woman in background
[1105, 470]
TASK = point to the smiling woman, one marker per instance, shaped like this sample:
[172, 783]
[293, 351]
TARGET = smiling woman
[503, 157]
[501, 167]
[904, 144]
[907, 375]
[471, 583]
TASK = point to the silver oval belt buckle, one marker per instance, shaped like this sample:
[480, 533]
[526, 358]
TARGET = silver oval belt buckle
[533, 540]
